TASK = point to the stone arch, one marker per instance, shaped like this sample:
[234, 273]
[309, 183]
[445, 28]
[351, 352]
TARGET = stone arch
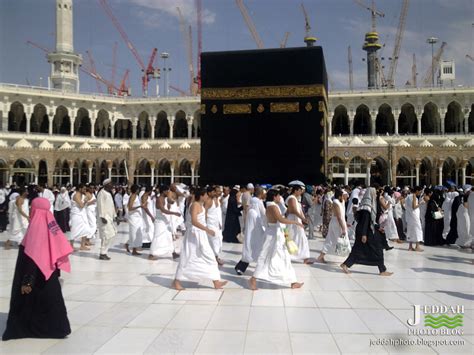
[405, 174]
[340, 121]
[197, 172]
[196, 127]
[102, 125]
[43, 171]
[39, 119]
[143, 126]
[23, 172]
[103, 172]
[180, 127]
[407, 121]
[336, 168]
[430, 120]
[164, 172]
[61, 172]
[454, 118]
[61, 121]
[362, 121]
[143, 172]
[184, 172]
[3, 172]
[357, 170]
[162, 126]
[470, 171]
[385, 122]
[17, 118]
[426, 172]
[379, 171]
[449, 170]
[82, 123]
[123, 129]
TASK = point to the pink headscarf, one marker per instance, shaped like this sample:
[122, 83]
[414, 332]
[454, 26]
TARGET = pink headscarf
[44, 241]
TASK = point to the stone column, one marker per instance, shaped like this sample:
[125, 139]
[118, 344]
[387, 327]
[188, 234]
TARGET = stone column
[463, 175]
[190, 129]
[71, 181]
[417, 174]
[192, 175]
[440, 175]
[367, 174]
[456, 176]
[346, 175]
[172, 174]
[50, 123]
[372, 127]
[466, 122]
[396, 115]
[134, 129]
[89, 175]
[112, 129]
[351, 126]
[171, 123]
[418, 118]
[50, 177]
[93, 127]
[442, 116]
[6, 107]
[152, 168]
[152, 133]
[72, 118]
[330, 117]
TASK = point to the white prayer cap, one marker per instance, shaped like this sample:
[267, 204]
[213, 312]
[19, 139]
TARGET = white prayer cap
[236, 187]
[106, 182]
[250, 186]
[297, 183]
[467, 187]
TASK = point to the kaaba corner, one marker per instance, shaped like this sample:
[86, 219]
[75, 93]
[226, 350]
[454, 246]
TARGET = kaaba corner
[264, 116]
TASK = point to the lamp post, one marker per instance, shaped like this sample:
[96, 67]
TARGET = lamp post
[432, 41]
[165, 56]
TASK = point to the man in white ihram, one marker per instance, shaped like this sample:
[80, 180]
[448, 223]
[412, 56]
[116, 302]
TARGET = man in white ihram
[106, 215]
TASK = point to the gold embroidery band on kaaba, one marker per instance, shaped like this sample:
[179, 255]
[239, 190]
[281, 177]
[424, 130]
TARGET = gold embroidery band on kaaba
[230, 109]
[277, 107]
[264, 92]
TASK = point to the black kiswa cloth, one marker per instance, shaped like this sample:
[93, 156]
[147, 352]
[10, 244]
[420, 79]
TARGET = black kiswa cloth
[278, 132]
[41, 313]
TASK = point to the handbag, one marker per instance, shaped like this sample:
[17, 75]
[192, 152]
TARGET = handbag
[290, 243]
[343, 245]
[437, 215]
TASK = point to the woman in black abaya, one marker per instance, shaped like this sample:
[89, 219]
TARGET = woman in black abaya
[232, 224]
[369, 242]
[37, 308]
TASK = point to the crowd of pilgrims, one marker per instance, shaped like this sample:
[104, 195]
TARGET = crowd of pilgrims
[274, 223]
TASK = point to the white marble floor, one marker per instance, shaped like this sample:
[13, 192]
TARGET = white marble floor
[126, 306]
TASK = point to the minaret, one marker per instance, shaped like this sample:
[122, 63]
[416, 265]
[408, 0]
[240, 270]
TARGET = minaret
[64, 62]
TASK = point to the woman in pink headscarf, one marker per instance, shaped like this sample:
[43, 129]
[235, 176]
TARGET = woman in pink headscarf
[37, 308]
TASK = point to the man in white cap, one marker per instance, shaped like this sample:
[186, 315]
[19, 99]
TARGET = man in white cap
[246, 197]
[106, 214]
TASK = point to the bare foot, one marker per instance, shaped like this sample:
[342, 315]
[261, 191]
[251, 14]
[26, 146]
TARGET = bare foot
[177, 285]
[386, 273]
[151, 257]
[309, 261]
[127, 248]
[345, 268]
[411, 249]
[219, 284]
[297, 284]
[135, 252]
[253, 283]
[419, 249]
[84, 248]
[399, 241]
[8, 245]
[320, 259]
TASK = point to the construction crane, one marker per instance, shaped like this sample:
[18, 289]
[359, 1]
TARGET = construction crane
[250, 24]
[114, 63]
[199, 44]
[374, 12]
[428, 78]
[285, 40]
[308, 38]
[178, 90]
[469, 57]
[187, 36]
[148, 71]
[94, 70]
[413, 72]
[398, 41]
[123, 90]
[351, 73]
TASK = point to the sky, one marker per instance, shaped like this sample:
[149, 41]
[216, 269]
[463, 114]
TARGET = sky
[155, 23]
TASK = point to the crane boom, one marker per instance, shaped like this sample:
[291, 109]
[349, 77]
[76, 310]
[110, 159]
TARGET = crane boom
[429, 73]
[398, 42]
[413, 71]
[285, 40]
[188, 44]
[374, 12]
[114, 63]
[199, 41]
[250, 24]
[122, 32]
[307, 26]
[351, 73]
[94, 70]
[469, 57]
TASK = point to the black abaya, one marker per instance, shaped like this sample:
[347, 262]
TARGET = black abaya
[453, 224]
[41, 313]
[433, 227]
[370, 252]
[232, 224]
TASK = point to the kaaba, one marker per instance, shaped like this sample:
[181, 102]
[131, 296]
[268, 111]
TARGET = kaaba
[263, 116]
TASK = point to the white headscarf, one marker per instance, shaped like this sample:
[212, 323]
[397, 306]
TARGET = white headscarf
[369, 203]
